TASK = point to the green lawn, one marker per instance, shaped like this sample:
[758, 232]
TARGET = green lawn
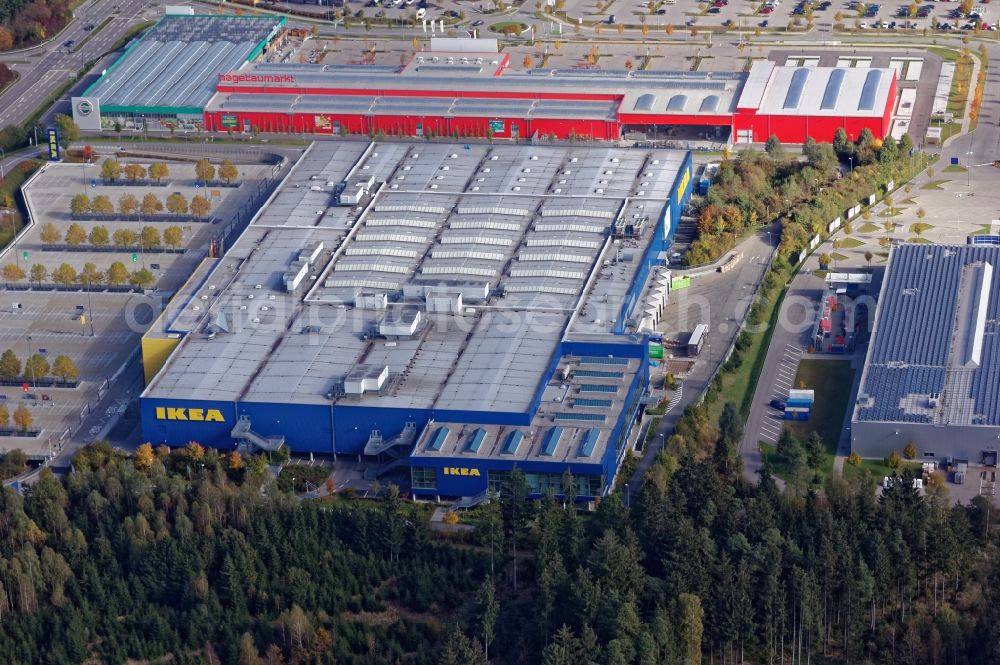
[891, 212]
[837, 256]
[868, 227]
[954, 168]
[919, 241]
[876, 467]
[959, 94]
[515, 27]
[851, 243]
[831, 379]
[11, 184]
[948, 129]
[920, 227]
[934, 184]
[983, 230]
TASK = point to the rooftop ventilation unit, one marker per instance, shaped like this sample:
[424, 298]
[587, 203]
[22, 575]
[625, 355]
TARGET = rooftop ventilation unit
[366, 378]
[400, 322]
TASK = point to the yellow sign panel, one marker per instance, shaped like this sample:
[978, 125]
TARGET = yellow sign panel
[460, 471]
[682, 188]
[53, 145]
[193, 415]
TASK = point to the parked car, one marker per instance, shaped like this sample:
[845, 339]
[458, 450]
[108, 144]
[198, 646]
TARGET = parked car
[778, 404]
[476, 24]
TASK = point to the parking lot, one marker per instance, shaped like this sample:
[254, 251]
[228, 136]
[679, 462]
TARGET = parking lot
[783, 15]
[97, 327]
[784, 378]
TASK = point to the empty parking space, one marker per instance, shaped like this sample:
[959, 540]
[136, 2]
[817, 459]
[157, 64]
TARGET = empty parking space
[784, 380]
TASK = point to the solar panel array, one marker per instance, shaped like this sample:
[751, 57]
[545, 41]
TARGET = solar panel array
[918, 307]
[912, 344]
[592, 417]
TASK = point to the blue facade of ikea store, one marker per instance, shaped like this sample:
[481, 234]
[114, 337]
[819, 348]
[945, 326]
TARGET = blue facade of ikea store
[664, 235]
[344, 427]
[475, 475]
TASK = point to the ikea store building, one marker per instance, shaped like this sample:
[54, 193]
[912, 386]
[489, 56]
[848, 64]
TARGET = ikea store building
[454, 310]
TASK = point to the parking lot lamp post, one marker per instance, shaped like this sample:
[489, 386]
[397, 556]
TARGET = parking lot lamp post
[90, 308]
[29, 361]
[968, 163]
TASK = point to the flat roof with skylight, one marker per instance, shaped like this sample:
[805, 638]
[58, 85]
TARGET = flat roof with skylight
[817, 91]
[175, 66]
[459, 269]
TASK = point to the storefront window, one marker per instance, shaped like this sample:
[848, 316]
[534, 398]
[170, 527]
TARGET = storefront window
[423, 477]
[496, 479]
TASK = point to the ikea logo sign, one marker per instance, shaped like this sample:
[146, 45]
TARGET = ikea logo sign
[460, 471]
[192, 415]
[683, 185]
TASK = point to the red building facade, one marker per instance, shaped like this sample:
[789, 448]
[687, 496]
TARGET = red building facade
[748, 110]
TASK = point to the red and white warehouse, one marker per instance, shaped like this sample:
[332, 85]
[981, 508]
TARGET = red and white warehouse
[475, 95]
[222, 83]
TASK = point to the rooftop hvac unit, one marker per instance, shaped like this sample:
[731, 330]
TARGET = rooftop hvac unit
[371, 301]
[401, 322]
[444, 302]
[366, 378]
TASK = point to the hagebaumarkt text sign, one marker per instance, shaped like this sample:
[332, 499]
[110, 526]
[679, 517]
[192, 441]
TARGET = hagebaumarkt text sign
[229, 121]
[53, 144]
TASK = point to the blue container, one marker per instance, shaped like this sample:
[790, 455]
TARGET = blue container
[797, 413]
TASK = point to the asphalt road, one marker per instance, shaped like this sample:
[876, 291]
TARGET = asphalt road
[788, 342]
[723, 330]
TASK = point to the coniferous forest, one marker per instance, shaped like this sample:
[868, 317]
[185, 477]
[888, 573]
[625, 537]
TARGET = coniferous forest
[189, 557]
